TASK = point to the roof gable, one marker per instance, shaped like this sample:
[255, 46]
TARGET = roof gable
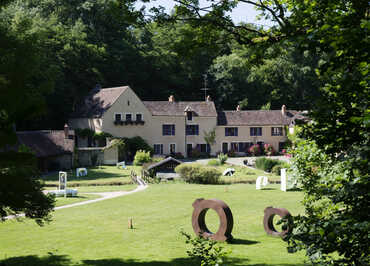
[46, 142]
[99, 101]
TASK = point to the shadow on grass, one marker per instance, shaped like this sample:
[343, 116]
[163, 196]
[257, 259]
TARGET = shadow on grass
[238, 241]
[53, 260]
[64, 260]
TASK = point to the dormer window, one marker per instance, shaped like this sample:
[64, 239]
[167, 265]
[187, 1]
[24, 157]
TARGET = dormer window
[189, 116]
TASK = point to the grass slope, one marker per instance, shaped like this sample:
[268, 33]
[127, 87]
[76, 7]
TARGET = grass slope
[97, 234]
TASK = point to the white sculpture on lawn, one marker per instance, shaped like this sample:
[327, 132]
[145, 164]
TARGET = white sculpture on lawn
[62, 188]
[261, 181]
[81, 172]
[283, 179]
[62, 180]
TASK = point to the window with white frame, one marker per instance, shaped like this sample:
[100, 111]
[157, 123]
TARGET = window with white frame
[256, 131]
[244, 146]
[231, 131]
[189, 116]
[128, 117]
[234, 146]
[172, 148]
[276, 131]
[168, 130]
[158, 149]
[204, 148]
[192, 130]
[117, 117]
[139, 117]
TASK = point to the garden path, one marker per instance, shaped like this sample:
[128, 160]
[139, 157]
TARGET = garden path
[104, 196]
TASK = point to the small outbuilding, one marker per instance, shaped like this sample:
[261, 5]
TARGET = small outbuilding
[54, 149]
[165, 169]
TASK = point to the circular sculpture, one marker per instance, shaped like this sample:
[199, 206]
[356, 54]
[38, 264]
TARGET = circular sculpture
[201, 206]
[268, 220]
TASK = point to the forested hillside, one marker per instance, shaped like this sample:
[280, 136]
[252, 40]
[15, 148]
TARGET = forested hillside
[64, 48]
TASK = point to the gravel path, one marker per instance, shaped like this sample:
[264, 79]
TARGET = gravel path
[104, 196]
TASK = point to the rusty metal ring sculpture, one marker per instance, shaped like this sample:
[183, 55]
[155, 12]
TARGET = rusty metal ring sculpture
[268, 220]
[201, 206]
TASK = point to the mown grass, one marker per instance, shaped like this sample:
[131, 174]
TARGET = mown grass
[60, 201]
[97, 234]
[103, 175]
[244, 174]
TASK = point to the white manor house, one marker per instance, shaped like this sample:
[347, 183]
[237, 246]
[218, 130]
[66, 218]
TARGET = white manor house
[178, 127]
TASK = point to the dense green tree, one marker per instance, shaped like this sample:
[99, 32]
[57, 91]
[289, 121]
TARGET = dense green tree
[181, 54]
[23, 82]
[277, 75]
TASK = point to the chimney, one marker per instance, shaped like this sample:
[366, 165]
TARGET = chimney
[171, 99]
[283, 110]
[66, 131]
[208, 99]
[238, 108]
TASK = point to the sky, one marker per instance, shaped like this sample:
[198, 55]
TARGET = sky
[242, 13]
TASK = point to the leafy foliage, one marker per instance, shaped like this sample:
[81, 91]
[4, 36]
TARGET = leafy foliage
[268, 149]
[210, 137]
[336, 202]
[199, 174]
[266, 164]
[276, 169]
[206, 251]
[142, 157]
[20, 190]
[222, 158]
[255, 150]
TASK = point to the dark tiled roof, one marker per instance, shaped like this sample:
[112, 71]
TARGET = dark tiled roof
[97, 102]
[177, 108]
[165, 161]
[255, 118]
[46, 143]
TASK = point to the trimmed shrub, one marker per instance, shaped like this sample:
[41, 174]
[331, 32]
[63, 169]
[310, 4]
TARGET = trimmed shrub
[214, 162]
[269, 149]
[199, 174]
[276, 169]
[142, 157]
[255, 150]
[231, 153]
[266, 164]
[136, 144]
[222, 158]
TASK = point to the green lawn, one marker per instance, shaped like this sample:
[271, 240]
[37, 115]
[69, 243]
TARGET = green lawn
[244, 174]
[97, 234]
[60, 201]
[103, 175]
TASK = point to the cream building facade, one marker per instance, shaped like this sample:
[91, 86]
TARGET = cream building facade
[179, 127]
